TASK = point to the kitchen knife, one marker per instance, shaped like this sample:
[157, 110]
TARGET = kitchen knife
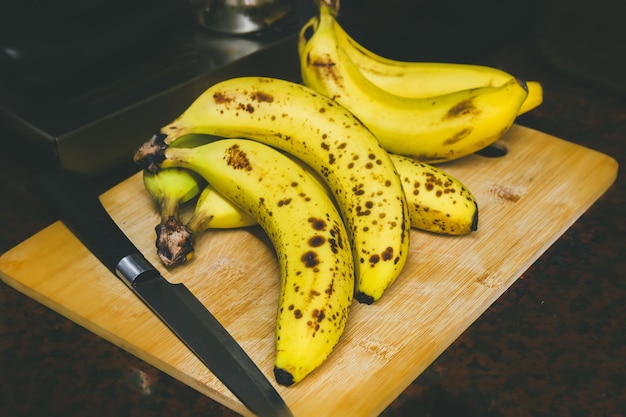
[73, 199]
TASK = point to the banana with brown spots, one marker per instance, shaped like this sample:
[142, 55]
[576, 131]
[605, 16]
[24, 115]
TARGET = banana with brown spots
[326, 137]
[432, 129]
[427, 79]
[307, 231]
[438, 202]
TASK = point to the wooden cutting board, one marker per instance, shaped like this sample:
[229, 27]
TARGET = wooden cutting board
[527, 199]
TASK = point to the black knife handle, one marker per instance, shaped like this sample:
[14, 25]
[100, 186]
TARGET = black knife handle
[73, 198]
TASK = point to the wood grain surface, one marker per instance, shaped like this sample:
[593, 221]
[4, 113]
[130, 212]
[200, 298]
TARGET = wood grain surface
[527, 199]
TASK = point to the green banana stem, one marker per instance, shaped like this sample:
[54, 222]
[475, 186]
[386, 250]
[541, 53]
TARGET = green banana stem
[199, 223]
[169, 209]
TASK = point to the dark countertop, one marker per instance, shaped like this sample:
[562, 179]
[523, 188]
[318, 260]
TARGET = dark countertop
[552, 345]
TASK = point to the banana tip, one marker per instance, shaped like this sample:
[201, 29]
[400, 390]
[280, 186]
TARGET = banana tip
[474, 225]
[283, 377]
[363, 298]
[522, 83]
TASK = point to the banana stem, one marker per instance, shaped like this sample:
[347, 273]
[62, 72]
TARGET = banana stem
[169, 210]
[151, 153]
[331, 5]
[199, 223]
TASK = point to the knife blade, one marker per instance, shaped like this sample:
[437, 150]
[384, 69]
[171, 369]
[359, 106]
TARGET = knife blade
[71, 196]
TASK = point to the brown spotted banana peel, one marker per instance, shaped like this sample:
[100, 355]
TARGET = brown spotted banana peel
[170, 188]
[427, 79]
[326, 137]
[307, 231]
[438, 202]
[433, 129]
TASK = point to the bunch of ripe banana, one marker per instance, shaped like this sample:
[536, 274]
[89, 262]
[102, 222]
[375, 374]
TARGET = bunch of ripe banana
[438, 203]
[336, 199]
[430, 111]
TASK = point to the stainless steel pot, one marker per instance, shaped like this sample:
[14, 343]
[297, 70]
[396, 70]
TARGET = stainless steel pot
[240, 16]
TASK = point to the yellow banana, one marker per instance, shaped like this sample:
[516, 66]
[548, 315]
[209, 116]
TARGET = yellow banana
[307, 231]
[427, 79]
[214, 211]
[438, 202]
[433, 129]
[328, 138]
[170, 188]
[534, 97]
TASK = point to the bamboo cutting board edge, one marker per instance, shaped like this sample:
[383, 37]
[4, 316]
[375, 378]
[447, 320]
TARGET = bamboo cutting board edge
[502, 194]
[35, 292]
